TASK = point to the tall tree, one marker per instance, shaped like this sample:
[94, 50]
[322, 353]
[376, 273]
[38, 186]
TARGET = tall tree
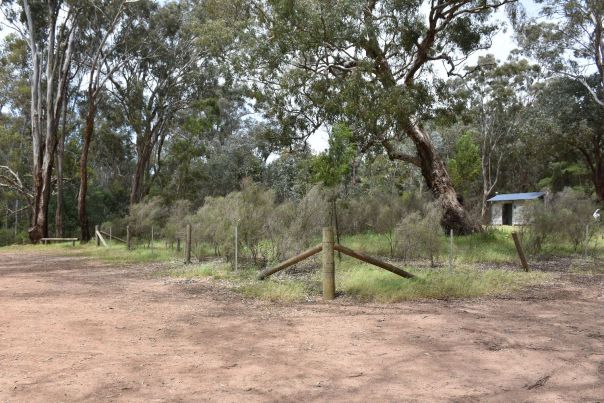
[491, 103]
[374, 65]
[568, 39]
[51, 33]
[99, 41]
[156, 81]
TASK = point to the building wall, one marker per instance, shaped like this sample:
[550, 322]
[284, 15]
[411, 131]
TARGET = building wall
[496, 213]
[520, 212]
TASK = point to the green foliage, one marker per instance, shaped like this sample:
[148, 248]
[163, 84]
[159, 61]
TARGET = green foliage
[331, 166]
[465, 167]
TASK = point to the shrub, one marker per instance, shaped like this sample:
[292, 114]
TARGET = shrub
[420, 235]
[563, 218]
[177, 221]
[283, 242]
[312, 213]
[250, 209]
[6, 237]
[147, 214]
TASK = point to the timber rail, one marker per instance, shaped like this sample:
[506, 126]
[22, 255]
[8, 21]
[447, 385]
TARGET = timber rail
[328, 246]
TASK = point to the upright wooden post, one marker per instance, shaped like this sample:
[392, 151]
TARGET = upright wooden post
[451, 251]
[586, 241]
[152, 239]
[96, 235]
[236, 245]
[188, 245]
[128, 238]
[110, 237]
[178, 244]
[329, 279]
[520, 251]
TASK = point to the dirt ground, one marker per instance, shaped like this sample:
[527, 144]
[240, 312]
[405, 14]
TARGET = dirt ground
[72, 329]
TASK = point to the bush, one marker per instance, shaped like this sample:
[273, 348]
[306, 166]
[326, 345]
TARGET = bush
[178, 219]
[563, 218]
[6, 237]
[419, 235]
[250, 209]
[147, 214]
[313, 212]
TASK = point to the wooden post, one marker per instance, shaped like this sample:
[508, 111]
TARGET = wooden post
[451, 252]
[586, 241]
[188, 245]
[329, 280]
[110, 237]
[152, 239]
[236, 243]
[128, 238]
[96, 234]
[520, 251]
[177, 244]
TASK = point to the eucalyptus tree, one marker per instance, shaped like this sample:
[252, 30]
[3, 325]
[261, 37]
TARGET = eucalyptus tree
[162, 73]
[571, 124]
[373, 64]
[15, 160]
[567, 37]
[491, 103]
[50, 31]
[98, 41]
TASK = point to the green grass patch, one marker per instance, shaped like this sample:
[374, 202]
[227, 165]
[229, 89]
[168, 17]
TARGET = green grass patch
[369, 284]
[115, 253]
[366, 283]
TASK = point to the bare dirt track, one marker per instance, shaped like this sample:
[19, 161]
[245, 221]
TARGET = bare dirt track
[72, 329]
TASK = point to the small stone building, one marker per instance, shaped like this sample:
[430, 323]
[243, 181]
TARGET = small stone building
[512, 208]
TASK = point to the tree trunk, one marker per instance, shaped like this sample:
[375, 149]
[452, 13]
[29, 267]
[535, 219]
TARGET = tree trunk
[144, 150]
[82, 214]
[59, 210]
[598, 178]
[57, 61]
[437, 178]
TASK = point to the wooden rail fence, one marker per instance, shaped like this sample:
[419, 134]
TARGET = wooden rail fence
[328, 246]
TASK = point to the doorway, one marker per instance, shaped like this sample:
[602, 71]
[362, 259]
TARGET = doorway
[507, 215]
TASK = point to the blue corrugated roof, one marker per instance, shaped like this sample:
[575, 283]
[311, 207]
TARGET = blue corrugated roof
[517, 196]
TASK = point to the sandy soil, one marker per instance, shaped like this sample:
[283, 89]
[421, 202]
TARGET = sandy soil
[72, 329]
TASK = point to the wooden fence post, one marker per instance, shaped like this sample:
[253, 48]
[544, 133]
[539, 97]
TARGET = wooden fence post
[329, 280]
[96, 235]
[451, 250]
[520, 251]
[236, 245]
[178, 244]
[188, 245]
[128, 238]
